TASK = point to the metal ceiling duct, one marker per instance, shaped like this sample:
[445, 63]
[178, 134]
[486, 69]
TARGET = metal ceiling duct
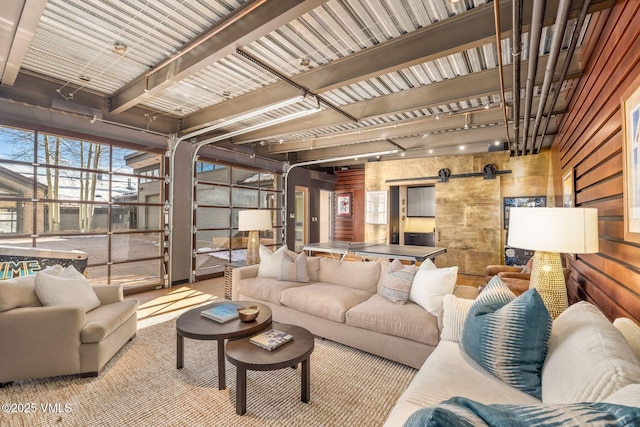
[517, 58]
[556, 43]
[563, 73]
[535, 35]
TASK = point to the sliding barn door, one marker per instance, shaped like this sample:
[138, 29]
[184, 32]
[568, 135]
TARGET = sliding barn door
[468, 223]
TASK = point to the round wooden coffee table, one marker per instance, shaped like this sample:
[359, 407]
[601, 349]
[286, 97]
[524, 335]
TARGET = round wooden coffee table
[192, 324]
[247, 356]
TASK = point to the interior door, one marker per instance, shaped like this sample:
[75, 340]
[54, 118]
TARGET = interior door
[468, 223]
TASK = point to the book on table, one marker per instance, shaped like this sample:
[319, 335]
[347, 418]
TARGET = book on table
[222, 313]
[271, 339]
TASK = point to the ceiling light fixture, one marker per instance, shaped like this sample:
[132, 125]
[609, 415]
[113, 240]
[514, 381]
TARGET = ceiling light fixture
[245, 116]
[119, 48]
[226, 94]
[305, 62]
[258, 126]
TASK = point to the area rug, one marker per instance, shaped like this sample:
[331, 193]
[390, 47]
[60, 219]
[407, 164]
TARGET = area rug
[141, 386]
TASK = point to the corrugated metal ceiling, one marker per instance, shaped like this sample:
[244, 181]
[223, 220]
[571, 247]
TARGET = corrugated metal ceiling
[74, 43]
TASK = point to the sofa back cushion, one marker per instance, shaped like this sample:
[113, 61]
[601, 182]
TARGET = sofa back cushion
[313, 268]
[18, 292]
[353, 274]
[588, 358]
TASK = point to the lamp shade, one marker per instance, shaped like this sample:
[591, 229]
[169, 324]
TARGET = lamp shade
[254, 220]
[562, 230]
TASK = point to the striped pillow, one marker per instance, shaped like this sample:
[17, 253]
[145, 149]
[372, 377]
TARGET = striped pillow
[508, 336]
[294, 270]
[397, 283]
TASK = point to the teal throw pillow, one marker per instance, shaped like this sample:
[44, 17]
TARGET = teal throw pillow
[508, 336]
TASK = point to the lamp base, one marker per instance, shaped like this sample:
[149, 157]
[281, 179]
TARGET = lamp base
[253, 248]
[548, 279]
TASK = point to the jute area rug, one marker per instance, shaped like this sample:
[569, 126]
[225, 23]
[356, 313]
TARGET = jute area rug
[141, 386]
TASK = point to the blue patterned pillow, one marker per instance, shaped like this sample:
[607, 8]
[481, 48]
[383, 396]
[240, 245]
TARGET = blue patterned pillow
[508, 336]
[460, 411]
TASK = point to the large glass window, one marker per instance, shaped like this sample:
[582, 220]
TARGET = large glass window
[221, 192]
[63, 193]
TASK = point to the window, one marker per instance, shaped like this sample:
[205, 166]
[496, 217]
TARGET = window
[63, 193]
[221, 192]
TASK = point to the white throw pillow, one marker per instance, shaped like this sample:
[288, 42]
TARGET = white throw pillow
[431, 284]
[271, 262]
[588, 358]
[631, 332]
[69, 288]
[454, 314]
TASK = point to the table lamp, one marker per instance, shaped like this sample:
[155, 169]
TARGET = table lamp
[253, 221]
[549, 232]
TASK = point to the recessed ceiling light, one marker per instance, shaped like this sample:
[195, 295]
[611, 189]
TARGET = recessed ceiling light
[281, 141]
[226, 94]
[84, 78]
[119, 48]
[461, 147]
[305, 62]
[430, 151]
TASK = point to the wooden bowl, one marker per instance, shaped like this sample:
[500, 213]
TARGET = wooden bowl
[248, 314]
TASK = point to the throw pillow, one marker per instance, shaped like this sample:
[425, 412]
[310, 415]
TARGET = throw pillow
[69, 288]
[631, 332]
[431, 284]
[397, 282]
[454, 314]
[294, 270]
[18, 292]
[584, 340]
[509, 339]
[461, 411]
[271, 262]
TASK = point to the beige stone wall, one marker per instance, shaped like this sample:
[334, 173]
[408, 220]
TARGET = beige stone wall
[471, 228]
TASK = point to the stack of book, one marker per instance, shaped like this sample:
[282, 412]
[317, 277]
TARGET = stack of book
[271, 339]
[222, 313]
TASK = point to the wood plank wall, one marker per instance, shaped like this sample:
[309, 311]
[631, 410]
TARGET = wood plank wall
[589, 142]
[351, 228]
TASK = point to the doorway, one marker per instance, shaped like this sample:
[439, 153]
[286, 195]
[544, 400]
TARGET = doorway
[325, 216]
[301, 225]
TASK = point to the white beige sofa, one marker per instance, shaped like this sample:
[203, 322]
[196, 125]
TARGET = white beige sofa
[44, 341]
[587, 360]
[341, 303]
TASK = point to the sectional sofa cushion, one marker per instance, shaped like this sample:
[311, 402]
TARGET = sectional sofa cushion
[353, 274]
[431, 284]
[69, 288]
[509, 340]
[397, 282]
[266, 289]
[324, 300]
[628, 395]
[631, 332]
[18, 292]
[407, 321]
[584, 340]
[449, 372]
[105, 319]
[294, 269]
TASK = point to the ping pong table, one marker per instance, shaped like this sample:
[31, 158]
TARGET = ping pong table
[375, 250]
